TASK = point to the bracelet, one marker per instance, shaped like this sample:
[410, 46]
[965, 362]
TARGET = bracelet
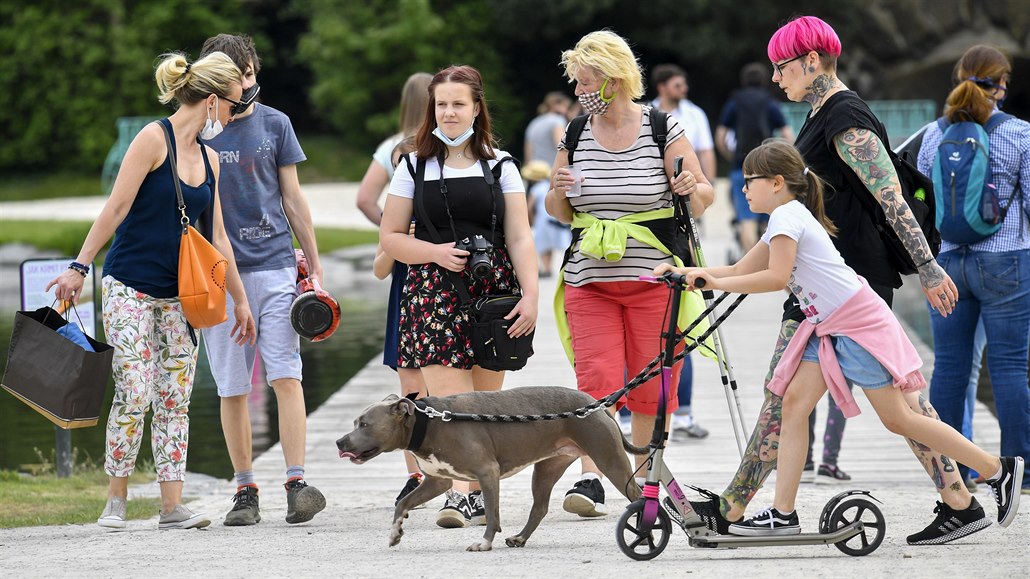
[924, 263]
[80, 268]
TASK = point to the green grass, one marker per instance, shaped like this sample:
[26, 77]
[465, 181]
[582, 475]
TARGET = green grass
[50, 186]
[66, 237]
[30, 501]
[329, 160]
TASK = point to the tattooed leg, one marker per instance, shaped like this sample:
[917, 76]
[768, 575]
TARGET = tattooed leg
[753, 470]
[942, 470]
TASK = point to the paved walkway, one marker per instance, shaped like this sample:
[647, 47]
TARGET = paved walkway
[350, 537]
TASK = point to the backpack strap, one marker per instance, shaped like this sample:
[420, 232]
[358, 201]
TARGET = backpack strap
[659, 129]
[994, 120]
[572, 133]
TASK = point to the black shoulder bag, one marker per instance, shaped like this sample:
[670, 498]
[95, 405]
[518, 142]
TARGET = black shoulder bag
[492, 347]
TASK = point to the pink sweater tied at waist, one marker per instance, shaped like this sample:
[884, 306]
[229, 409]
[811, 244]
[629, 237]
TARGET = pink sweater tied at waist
[866, 319]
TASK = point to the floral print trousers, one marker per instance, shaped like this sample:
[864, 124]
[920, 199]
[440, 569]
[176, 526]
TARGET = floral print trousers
[154, 363]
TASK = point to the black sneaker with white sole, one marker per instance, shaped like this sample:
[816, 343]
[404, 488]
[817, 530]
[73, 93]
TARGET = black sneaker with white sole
[586, 499]
[710, 513]
[951, 524]
[831, 474]
[456, 512]
[478, 515]
[767, 523]
[1006, 489]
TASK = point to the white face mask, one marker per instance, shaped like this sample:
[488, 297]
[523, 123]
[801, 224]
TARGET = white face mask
[211, 128]
[456, 142]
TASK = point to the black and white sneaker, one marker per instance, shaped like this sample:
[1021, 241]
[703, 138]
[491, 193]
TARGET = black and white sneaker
[586, 499]
[1005, 488]
[710, 513]
[456, 512]
[478, 517]
[413, 481]
[951, 524]
[767, 523]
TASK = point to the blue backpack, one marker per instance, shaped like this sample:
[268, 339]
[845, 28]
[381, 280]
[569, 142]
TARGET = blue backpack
[968, 209]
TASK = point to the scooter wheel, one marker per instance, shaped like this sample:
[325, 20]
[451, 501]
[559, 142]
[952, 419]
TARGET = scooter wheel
[873, 526]
[637, 542]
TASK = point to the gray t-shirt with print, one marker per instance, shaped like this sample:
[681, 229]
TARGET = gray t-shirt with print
[250, 152]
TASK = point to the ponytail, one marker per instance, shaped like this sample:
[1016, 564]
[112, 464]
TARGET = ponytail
[977, 74]
[778, 157]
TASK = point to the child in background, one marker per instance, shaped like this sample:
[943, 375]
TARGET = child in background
[549, 234]
[849, 335]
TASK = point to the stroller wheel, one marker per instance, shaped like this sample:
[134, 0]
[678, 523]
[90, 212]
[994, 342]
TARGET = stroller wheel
[639, 541]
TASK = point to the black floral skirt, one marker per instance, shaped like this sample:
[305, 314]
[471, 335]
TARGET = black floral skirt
[434, 327]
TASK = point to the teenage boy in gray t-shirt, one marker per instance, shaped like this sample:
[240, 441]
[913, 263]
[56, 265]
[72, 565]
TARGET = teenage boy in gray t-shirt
[261, 202]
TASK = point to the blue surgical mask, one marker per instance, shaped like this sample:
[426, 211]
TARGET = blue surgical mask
[456, 142]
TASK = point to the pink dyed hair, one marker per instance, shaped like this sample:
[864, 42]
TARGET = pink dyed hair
[801, 36]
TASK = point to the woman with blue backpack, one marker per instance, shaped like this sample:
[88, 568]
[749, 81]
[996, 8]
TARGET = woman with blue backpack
[978, 158]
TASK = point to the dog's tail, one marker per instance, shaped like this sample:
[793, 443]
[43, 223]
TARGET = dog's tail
[641, 450]
[633, 449]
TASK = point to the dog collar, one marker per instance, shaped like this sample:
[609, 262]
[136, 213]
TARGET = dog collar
[418, 431]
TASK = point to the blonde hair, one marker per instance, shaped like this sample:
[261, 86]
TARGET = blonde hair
[778, 157]
[610, 55]
[187, 83]
[414, 97]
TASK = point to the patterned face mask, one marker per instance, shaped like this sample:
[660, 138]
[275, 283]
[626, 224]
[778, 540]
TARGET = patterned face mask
[594, 103]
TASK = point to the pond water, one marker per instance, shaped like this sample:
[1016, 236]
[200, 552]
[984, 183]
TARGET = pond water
[328, 366]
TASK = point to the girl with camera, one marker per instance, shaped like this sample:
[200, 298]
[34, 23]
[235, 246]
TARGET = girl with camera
[476, 211]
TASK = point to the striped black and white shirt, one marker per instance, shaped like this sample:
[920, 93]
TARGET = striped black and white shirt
[616, 184]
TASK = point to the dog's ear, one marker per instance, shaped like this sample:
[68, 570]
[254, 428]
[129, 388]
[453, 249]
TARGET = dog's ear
[391, 398]
[402, 406]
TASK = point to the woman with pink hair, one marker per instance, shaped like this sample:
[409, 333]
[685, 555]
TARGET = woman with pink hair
[845, 144]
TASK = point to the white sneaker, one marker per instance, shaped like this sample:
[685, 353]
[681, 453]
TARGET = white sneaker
[113, 516]
[182, 518]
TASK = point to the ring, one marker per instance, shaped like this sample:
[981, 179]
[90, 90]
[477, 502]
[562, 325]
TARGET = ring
[944, 297]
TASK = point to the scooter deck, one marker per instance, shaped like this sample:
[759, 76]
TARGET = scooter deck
[729, 541]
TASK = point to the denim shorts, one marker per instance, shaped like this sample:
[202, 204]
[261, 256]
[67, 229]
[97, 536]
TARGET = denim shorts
[858, 365]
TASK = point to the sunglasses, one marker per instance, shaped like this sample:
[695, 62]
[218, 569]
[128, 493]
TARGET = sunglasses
[246, 99]
[748, 180]
[779, 65]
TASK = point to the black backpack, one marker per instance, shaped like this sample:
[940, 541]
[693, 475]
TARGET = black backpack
[660, 133]
[752, 126]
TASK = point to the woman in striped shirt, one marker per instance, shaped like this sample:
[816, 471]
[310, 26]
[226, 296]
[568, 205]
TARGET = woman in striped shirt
[624, 210]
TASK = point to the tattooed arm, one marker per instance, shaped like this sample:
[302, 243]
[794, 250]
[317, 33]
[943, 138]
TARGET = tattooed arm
[863, 152]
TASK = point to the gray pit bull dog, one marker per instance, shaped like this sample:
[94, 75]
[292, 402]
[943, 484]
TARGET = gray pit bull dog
[489, 451]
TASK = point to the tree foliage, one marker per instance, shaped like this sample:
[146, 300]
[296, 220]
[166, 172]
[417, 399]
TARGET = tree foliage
[72, 68]
[361, 53]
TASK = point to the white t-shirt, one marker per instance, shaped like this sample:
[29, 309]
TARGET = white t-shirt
[403, 184]
[820, 278]
[384, 153]
[694, 122]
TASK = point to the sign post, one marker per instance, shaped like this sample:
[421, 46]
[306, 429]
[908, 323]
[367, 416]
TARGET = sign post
[35, 274]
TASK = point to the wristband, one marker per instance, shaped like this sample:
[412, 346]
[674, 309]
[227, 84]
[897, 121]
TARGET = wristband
[924, 263]
[80, 268]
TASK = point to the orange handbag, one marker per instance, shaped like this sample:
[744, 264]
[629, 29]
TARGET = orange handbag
[201, 267]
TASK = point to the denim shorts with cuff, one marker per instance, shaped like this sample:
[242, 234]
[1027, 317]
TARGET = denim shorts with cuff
[858, 365]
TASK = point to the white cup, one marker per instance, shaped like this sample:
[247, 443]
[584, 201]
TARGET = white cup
[577, 186]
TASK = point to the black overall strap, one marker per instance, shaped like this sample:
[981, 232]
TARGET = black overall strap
[422, 216]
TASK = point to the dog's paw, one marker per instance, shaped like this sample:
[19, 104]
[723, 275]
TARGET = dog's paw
[481, 546]
[395, 534]
[516, 541]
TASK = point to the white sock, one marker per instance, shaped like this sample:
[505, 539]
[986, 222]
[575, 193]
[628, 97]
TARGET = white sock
[997, 475]
[590, 476]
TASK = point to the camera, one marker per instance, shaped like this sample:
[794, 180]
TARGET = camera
[479, 249]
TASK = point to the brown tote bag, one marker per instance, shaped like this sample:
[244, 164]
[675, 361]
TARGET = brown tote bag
[201, 267]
